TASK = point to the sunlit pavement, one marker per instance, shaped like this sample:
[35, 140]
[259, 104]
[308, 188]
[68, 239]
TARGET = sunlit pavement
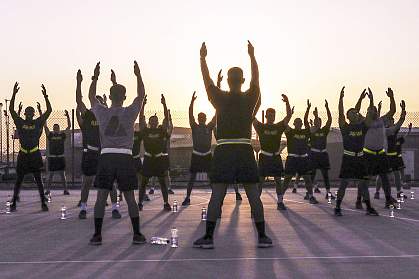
[310, 242]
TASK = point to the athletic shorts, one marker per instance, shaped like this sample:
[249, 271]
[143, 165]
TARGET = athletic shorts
[319, 160]
[376, 164]
[234, 163]
[56, 163]
[138, 164]
[270, 166]
[200, 163]
[166, 162]
[89, 162]
[116, 167]
[154, 166]
[353, 168]
[298, 166]
[29, 162]
[395, 163]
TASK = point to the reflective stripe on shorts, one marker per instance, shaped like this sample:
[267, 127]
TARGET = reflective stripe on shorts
[233, 141]
[379, 152]
[297, 155]
[116, 151]
[55, 156]
[318, 150]
[161, 154]
[269, 154]
[353, 154]
[136, 156]
[201, 153]
[27, 151]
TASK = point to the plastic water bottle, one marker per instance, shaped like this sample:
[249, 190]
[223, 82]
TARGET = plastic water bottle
[174, 207]
[401, 197]
[329, 198]
[63, 213]
[174, 238]
[412, 195]
[49, 197]
[8, 205]
[399, 205]
[204, 214]
[391, 207]
[159, 240]
[118, 201]
[336, 193]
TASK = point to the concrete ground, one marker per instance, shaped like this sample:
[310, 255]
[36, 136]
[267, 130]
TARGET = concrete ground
[310, 242]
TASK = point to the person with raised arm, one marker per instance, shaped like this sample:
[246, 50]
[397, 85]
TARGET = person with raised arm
[116, 130]
[29, 159]
[234, 160]
[270, 134]
[319, 158]
[56, 153]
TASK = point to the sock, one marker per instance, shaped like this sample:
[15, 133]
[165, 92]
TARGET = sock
[114, 206]
[135, 225]
[210, 227]
[338, 203]
[280, 198]
[368, 204]
[98, 226]
[83, 206]
[260, 226]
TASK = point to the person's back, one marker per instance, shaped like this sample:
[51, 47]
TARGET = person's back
[353, 136]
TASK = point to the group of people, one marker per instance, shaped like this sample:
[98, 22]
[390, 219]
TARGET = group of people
[111, 149]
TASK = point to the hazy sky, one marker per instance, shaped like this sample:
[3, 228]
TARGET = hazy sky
[308, 49]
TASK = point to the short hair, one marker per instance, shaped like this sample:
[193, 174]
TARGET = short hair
[270, 110]
[153, 116]
[201, 114]
[29, 110]
[118, 91]
[234, 70]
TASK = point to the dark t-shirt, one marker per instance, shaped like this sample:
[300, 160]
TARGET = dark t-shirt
[353, 136]
[56, 143]
[137, 143]
[154, 139]
[318, 139]
[201, 137]
[29, 131]
[270, 135]
[234, 112]
[298, 141]
[90, 130]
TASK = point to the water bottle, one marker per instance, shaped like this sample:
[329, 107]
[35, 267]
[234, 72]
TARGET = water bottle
[118, 201]
[49, 197]
[204, 214]
[329, 198]
[63, 213]
[401, 197]
[159, 240]
[174, 207]
[336, 193]
[8, 205]
[391, 207]
[174, 238]
[399, 205]
[412, 195]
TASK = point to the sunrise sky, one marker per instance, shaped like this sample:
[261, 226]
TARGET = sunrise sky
[307, 49]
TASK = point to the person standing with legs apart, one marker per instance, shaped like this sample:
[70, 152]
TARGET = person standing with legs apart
[234, 159]
[155, 164]
[270, 134]
[56, 157]
[201, 141]
[354, 166]
[319, 158]
[29, 159]
[89, 128]
[116, 129]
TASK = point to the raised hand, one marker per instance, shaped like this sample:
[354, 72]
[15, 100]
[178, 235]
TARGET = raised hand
[136, 69]
[79, 76]
[66, 113]
[163, 100]
[316, 112]
[284, 98]
[105, 99]
[308, 104]
[219, 78]
[380, 104]
[342, 92]
[364, 93]
[390, 92]
[203, 51]
[250, 48]
[145, 100]
[326, 104]
[96, 72]
[311, 122]
[292, 110]
[44, 91]
[403, 105]
[193, 97]
[370, 95]
[16, 88]
[20, 107]
[113, 77]
[38, 106]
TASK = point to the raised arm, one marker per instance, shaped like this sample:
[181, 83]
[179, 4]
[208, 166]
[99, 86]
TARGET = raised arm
[329, 115]
[192, 121]
[213, 122]
[93, 85]
[78, 117]
[257, 106]
[254, 65]
[141, 116]
[204, 69]
[67, 115]
[399, 123]
[19, 110]
[140, 84]
[170, 123]
[360, 99]
[166, 113]
[379, 106]
[81, 107]
[287, 118]
[392, 110]
[46, 129]
[113, 78]
[368, 117]
[306, 123]
[47, 113]
[342, 118]
[219, 79]
[16, 88]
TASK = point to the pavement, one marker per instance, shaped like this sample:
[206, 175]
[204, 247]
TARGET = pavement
[309, 241]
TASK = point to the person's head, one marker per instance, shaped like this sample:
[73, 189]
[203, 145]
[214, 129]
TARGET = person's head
[202, 118]
[153, 122]
[235, 79]
[29, 113]
[372, 112]
[56, 128]
[317, 122]
[298, 123]
[353, 115]
[270, 116]
[117, 94]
